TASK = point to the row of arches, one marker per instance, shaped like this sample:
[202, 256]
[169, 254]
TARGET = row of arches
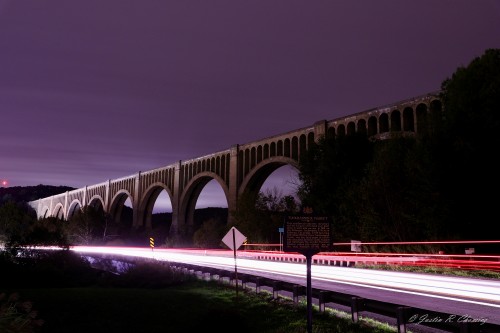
[408, 119]
[242, 168]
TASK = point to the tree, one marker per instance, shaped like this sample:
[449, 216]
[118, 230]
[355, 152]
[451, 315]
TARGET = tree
[19, 226]
[259, 218]
[433, 186]
[398, 199]
[17, 315]
[87, 226]
[330, 173]
[471, 100]
[48, 231]
[210, 234]
[15, 221]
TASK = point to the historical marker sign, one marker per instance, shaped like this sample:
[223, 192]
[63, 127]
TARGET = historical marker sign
[307, 234]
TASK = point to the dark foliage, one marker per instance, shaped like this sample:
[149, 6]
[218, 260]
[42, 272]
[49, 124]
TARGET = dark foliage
[30, 193]
[64, 268]
[39, 269]
[435, 185]
[470, 163]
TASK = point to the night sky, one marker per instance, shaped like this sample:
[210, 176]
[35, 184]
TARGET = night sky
[101, 89]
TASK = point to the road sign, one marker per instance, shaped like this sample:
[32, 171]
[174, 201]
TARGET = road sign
[308, 234]
[235, 243]
[233, 239]
[151, 242]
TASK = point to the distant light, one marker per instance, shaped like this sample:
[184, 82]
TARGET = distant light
[4, 183]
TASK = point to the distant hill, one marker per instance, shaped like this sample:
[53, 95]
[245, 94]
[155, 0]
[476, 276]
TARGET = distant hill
[200, 215]
[30, 193]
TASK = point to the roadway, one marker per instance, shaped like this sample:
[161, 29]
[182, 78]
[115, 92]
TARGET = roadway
[471, 299]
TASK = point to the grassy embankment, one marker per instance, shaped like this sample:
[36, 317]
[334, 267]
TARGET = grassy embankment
[63, 292]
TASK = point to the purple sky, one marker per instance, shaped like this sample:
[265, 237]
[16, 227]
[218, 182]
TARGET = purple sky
[100, 89]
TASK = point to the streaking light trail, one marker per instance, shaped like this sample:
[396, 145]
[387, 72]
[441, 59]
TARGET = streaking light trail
[477, 291]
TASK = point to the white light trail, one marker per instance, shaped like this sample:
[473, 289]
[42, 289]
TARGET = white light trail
[477, 291]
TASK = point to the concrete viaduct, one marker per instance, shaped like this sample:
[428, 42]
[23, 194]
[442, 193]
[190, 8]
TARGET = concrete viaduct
[239, 169]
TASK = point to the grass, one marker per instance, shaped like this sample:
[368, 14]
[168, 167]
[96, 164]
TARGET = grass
[62, 290]
[194, 306]
[485, 274]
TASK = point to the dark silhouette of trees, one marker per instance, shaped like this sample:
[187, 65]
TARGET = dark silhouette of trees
[88, 226]
[210, 233]
[437, 185]
[30, 193]
[331, 173]
[259, 218]
[471, 99]
[20, 227]
[16, 218]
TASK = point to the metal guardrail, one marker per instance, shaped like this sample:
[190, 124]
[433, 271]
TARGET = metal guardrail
[404, 315]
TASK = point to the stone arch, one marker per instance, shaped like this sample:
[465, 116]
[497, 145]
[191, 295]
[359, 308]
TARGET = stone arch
[395, 125]
[97, 202]
[74, 207]
[341, 131]
[58, 211]
[351, 128]
[45, 212]
[372, 126]
[117, 204]
[408, 120]
[436, 106]
[421, 115]
[253, 182]
[361, 127]
[148, 200]
[331, 132]
[383, 121]
[190, 195]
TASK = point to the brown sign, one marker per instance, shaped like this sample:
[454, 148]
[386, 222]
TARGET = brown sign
[307, 234]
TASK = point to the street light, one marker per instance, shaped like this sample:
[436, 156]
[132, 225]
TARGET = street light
[4, 182]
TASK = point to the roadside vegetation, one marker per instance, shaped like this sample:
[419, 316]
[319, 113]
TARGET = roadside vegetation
[59, 292]
[471, 273]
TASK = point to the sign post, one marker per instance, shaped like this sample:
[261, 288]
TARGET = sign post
[281, 231]
[233, 239]
[308, 234]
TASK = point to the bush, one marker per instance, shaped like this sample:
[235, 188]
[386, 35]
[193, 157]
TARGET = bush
[17, 316]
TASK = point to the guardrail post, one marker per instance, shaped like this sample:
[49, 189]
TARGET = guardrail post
[258, 281]
[244, 279]
[276, 288]
[233, 279]
[297, 291]
[401, 316]
[356, 307]
[323, 299]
